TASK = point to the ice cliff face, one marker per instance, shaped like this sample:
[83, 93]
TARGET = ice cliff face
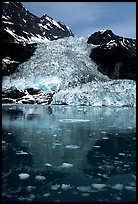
[64, 69]
[113, 93]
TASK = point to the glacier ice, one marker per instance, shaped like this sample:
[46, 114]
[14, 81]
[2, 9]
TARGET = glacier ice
[113, 93]
[64, 66]
[56, 65]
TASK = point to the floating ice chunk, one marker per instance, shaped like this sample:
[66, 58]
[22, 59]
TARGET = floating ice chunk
[65, 186]
[31, 197]
[99, 186]
[134, 177]
[117, 186]
[130, 188]
[130, 128]
[23, 176]
[47, 194]
[67, 165]
[40, 178]
[73, 120]
[121, 154]
[105, 138]
[30, 188]
[103, 132]
[55, 187]
[54, 135]
[48, 164]
[21, 152]
[56, 144]
[97, 146]
[117, 198]
[85, 194]
[72, 146]
[84, 188]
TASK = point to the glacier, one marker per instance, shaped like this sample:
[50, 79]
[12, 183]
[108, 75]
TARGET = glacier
[64, 66]
[113, 93]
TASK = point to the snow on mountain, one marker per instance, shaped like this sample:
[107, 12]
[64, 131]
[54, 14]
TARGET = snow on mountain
[21, 30]
[64, 69]
[114, 55]
[25, 26]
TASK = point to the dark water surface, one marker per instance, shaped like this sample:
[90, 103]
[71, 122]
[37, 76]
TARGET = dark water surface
[70, 154]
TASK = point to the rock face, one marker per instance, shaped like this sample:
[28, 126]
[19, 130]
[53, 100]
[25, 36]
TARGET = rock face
[27, 96]
[20, 32]
[114, 55]
[18, 21]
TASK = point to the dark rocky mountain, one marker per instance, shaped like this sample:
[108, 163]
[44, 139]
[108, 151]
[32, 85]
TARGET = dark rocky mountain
[21, 30]
[115, 55]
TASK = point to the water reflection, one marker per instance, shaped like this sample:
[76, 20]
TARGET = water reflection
[76, 144]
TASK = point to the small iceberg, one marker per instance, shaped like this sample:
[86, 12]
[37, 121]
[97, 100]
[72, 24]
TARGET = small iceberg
[99, 186]
[21, 152]
[72, 146]
[40, 178]
[117, 186]
[74, 120]
[24, 176]
[66, 165]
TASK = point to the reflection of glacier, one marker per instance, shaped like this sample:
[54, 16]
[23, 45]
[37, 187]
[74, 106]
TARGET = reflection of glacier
[62, 134]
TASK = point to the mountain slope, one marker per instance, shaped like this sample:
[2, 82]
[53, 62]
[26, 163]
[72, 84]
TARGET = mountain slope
[23, 25]
[21, 30]
[114, 55]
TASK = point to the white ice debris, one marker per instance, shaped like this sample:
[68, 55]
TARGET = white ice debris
[117, 186]
[66, 165]
[130, 188]
[65, 186]
[23, 176]
[21, 152]
[48, 164]
[99, 186]
[40, 178]
[84, 188]
[55, 187]
[72, 146]
[74, 120]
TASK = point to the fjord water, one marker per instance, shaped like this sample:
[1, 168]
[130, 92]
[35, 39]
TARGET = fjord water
[66, 154]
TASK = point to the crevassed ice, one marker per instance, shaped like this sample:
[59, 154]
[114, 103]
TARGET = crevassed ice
[113, 93]
[56, 65]
[64, 65]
